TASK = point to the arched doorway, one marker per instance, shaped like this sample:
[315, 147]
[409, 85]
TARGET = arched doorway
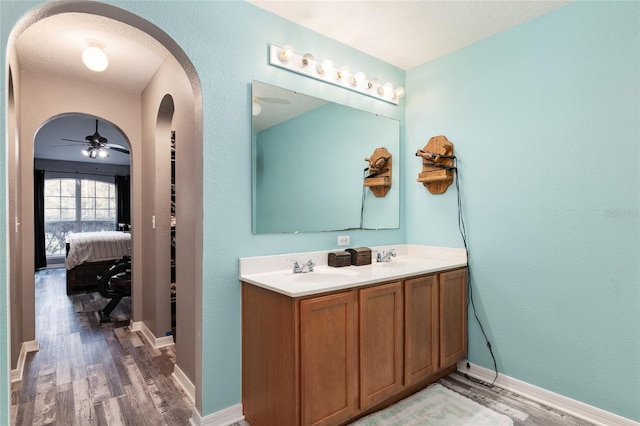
[42, 95]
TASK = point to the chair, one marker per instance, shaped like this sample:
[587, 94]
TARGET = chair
[114, 284]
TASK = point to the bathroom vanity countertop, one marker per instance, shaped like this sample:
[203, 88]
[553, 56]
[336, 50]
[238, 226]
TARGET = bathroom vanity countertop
[276, 272]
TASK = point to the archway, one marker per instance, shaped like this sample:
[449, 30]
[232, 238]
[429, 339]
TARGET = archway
[187, 121]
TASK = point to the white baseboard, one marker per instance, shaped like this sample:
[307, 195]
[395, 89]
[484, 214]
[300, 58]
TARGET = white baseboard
[184, 382]
[155, 342]
[18, 373]
[225, 417]
[570, 406]
[181, 378]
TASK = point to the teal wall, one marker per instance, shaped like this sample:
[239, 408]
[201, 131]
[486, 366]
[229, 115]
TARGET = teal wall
[545, 122]
[227, 41]
[544, 118]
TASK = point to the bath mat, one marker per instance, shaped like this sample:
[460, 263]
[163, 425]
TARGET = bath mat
[435, 406]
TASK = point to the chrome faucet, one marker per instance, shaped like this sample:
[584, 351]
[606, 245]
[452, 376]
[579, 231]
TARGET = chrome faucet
[297, 269]
[386, 256]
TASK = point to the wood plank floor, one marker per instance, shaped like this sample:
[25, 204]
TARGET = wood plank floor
[88, 373]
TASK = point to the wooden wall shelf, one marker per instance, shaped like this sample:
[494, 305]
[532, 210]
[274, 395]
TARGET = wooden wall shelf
[379, 178]
[437, 164]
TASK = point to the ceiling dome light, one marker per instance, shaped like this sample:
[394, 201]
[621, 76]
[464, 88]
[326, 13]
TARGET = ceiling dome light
[94, 57]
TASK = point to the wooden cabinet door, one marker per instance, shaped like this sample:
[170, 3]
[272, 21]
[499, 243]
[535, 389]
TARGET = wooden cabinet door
[328, 359]
[421, 328]
[381, 340]
[453, 316]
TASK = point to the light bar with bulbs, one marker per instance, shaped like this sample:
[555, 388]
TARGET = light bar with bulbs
[286, 58]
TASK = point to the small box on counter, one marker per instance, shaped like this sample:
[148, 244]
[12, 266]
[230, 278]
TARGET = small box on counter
[339, 258]
[360, 256]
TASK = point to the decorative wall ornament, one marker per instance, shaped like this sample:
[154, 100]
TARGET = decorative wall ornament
[437, 164]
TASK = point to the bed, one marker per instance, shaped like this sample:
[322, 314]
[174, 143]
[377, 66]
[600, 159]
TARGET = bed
[89, 254]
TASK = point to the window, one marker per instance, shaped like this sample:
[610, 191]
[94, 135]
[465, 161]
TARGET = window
[76, 205]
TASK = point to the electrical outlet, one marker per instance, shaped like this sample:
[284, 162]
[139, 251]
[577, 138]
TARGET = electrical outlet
[344, 240]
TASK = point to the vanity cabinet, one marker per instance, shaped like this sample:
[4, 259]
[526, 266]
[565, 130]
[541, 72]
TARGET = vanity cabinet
[381, 340]
[453, 316]
[421, 348]
[327, 359]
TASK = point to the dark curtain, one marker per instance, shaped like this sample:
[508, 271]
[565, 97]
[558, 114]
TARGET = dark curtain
[38, 211]
[123, 191]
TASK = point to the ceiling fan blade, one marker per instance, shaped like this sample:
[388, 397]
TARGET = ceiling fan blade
[72, 140]
[122, 150]
[115, 145]
[57, 146]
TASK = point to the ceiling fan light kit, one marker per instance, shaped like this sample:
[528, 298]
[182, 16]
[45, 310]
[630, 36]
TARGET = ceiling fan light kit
[99, 146]
[286, 58]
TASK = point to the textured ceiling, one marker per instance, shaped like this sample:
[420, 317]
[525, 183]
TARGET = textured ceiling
[54, 46]
[408, 33]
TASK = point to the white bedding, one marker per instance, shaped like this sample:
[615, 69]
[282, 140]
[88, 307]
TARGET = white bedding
[96, 247]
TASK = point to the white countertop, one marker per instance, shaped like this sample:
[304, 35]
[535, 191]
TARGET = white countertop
[276, 272]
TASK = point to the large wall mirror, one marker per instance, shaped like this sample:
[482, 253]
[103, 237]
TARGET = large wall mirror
[309, 163]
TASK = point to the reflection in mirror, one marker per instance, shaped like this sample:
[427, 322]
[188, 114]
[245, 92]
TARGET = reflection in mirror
[309, 163]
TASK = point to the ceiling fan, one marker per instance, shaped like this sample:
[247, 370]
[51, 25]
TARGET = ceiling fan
[98, 145]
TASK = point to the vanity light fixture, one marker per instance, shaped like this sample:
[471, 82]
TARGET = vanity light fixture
[286, 58]
[94, 57]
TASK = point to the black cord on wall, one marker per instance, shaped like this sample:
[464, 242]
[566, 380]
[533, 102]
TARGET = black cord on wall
[463, 234]
[364, 188]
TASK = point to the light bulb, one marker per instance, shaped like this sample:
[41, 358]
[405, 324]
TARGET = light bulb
[398, 92]
[324, 66]
[358, 78]
[306, 60]
[384, 90]
[286, 53]
[94, 57]
[85, 152]
[342, 73]
[93, 153]
[102, 153]
[372, 83]
[256, 109]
